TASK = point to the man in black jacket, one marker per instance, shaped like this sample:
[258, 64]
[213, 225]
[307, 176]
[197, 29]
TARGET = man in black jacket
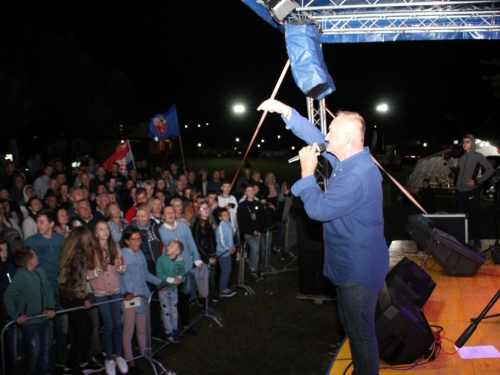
[251, 217]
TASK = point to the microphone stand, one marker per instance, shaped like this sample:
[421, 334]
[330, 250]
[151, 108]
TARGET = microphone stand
[475, 322]
[496, 184]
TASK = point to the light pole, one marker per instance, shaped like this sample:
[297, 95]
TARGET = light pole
[382, 109]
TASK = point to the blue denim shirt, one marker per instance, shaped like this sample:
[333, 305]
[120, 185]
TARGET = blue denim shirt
[136, 278]
[351, 211]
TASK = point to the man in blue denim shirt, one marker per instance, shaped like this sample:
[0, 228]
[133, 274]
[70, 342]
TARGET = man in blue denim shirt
[356, 255]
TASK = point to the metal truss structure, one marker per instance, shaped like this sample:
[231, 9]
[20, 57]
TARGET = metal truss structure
[358, 21]
[383, 20]
[352, 21]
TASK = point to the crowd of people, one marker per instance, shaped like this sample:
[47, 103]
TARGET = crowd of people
[74, 237]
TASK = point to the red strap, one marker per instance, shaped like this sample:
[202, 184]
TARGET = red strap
[400, 186]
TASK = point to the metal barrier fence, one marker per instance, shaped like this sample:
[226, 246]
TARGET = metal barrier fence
[148, 352]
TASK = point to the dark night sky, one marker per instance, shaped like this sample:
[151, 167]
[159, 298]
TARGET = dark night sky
[205, 56]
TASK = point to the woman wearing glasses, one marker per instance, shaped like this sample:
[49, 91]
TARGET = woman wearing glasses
[134, 283]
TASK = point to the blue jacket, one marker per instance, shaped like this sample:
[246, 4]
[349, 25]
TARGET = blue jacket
[181, 232]
[224, 237]
[135, 279]
[351, 212]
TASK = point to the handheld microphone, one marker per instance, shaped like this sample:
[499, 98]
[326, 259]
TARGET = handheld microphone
[321, 148]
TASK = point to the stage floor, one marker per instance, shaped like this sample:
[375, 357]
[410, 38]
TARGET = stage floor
[453, 303]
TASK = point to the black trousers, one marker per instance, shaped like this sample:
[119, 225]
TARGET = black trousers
[80, 323]
[468, 203]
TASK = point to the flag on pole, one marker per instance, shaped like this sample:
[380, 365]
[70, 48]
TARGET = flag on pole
[123, 156]
[164, 125]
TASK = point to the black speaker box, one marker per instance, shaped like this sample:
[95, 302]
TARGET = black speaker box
[411, 281]
[311, 257]
[403, 333]
[457, 258]
[419, 230]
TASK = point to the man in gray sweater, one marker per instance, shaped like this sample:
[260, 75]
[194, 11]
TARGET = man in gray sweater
[467, 185]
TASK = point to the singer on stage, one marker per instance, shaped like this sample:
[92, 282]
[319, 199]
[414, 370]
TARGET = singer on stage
[356, 255]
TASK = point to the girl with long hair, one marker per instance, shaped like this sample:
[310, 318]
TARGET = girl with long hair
[72, 280]
[105, 265]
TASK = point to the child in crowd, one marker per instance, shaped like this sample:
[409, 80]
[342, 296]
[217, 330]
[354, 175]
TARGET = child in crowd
[170, 267]
[225, 247]
[31, 294]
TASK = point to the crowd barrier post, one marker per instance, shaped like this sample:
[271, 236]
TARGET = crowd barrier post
[286, 250]
[208, 313]
[241, 271]
[266, 267]
[148, 350]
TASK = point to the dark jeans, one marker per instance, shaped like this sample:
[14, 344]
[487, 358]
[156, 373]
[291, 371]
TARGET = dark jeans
[183, 307]
[111, 314]
[81, 325]
[468, 203]
[356, 306]
[36, 342]
[59, 331]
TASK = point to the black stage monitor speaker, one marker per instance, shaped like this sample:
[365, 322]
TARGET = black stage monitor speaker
[311, 257]
[457, 258]
[411, 281]
[419, 230]
[403, 333]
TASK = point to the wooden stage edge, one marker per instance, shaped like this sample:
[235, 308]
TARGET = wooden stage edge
[453, 303]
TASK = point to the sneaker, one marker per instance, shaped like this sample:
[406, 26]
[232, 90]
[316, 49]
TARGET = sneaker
[90, 368]
[99, 358]
[227, 293]
[173, 338]
[110, 367]
[121, 363]
[176, 335]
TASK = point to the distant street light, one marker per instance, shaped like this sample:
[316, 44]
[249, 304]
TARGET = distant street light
[382, 109]
[237, 139]
[239, 108]
[199, 144]
[425, 144]
[279, 136]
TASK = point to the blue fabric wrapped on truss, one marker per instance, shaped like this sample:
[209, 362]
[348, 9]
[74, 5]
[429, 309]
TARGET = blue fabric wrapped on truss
[306, 59]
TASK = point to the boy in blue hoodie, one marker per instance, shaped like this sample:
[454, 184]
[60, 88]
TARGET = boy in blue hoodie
[29, 294]
[225, 247]
[170, 267]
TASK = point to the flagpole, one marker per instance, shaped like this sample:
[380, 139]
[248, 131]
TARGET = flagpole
[182, 153]
[131, 153]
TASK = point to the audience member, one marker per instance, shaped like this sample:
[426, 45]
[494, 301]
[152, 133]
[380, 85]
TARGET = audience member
[73, 293]
[133, 283]
[104, 266]
[225, 248]
[171, 268]
[31, 294]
